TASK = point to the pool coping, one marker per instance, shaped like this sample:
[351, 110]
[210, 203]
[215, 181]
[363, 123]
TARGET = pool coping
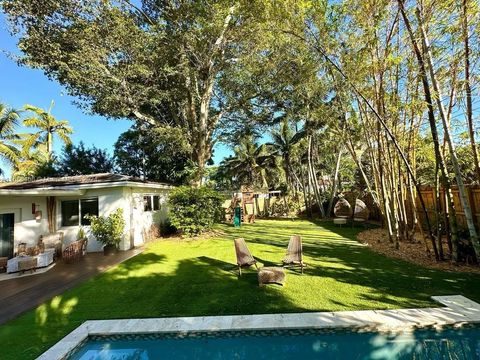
[458, 310]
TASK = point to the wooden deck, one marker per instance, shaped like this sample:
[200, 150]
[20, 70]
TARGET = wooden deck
[25, 293]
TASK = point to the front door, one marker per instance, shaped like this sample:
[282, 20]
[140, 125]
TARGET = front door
[7, 222]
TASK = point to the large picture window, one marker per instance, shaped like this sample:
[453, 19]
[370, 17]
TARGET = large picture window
[72, 209]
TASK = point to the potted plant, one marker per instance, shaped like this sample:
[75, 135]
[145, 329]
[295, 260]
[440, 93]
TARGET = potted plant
[81, 236]
[108, 230]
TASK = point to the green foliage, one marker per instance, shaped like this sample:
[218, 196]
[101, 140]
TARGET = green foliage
[108, 230]
[158, 153]
[81, 233]
[80, 160]
[194, 210]
[8, 122]
[46, 126]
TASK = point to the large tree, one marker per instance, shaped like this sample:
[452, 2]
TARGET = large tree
[81, 160]
[158, 62]
[157, 154]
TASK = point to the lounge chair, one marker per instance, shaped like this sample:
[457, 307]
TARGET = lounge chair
[294, 256]
[244, 257]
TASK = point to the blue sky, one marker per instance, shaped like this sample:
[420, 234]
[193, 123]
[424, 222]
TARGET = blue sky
[21, 85]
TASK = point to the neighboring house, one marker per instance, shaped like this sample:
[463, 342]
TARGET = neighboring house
[34, 208]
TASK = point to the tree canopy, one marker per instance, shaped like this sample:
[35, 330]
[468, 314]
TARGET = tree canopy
[155, 154]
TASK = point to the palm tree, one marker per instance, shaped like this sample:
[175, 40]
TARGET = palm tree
[283, 142]
[8, 121]
[47, 127]
[249, 163]
[30, 161]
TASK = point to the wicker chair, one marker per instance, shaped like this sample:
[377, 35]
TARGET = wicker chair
[54, 241]
[294, 256]
[342, 209]
[244, 257]
[75, 251]
[361, 213]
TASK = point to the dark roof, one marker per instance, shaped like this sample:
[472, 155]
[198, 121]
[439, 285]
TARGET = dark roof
[73, 180]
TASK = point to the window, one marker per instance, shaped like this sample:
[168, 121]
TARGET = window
[88, 207]
[147, 203]
[151, 202]
[156, 202]
[71, 210]
[70, 213]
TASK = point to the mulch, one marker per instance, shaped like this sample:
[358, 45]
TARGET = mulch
[414, 252]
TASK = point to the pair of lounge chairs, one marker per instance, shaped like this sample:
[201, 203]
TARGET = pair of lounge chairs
[294, 256]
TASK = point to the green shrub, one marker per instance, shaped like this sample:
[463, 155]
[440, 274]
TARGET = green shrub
[108, 230]
[194, 210]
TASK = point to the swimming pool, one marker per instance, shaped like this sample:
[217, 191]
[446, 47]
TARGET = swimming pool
[451, 343]
[364, 334]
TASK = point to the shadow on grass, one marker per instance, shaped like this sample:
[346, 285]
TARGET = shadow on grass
[332, 252]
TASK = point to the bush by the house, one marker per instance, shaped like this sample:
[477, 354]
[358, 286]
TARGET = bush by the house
[194, 210]
[108, 230]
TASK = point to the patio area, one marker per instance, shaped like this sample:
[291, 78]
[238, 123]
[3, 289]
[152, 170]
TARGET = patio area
[26, 292]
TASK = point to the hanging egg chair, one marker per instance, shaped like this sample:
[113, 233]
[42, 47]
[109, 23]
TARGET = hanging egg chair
[361, 212]
[342, 209]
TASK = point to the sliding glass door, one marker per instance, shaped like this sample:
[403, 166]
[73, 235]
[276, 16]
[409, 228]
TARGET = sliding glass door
[6, 234]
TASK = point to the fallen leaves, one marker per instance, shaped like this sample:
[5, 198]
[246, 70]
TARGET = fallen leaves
[414, 252]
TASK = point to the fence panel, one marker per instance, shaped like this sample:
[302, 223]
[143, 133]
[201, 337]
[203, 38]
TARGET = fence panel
[473, 195]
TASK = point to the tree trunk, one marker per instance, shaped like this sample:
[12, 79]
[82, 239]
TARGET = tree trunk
[312, 177]
[335, 182]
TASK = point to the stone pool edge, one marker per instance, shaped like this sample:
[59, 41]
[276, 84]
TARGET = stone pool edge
[458, 310]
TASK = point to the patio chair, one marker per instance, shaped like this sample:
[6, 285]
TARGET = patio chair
[54, 241]
[244, 257]
[294, 256]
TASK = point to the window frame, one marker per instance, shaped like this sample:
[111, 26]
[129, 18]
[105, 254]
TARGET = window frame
[151, 201]
[79, 204]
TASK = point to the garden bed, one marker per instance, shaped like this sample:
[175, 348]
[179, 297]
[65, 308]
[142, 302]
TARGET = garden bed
[377, 240]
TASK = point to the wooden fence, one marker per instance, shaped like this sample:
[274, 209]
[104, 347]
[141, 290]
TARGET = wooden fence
[473, 195]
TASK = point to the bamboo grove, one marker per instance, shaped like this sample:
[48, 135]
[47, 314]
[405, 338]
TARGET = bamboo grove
[382, 94]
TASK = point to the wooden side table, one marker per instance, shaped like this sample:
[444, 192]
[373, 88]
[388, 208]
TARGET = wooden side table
[27, 264]
[340, 221]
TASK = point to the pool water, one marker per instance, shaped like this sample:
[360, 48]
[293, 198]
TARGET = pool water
[458, 344]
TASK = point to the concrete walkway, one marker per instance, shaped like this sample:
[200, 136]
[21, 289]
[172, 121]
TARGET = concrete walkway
[24, 293]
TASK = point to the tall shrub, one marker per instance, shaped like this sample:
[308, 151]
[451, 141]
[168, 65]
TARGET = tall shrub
[108, 230]
[194, 210]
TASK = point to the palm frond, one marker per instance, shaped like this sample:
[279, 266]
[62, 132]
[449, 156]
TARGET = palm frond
[34, 122]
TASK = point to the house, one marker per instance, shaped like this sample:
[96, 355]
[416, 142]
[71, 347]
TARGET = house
[34, 208]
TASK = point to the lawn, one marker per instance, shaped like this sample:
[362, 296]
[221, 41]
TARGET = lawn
[190, 278]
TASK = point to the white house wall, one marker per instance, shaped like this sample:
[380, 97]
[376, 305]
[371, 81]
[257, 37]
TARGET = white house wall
[137, 221]
[109, 200]
[143, 220]
[26, 228]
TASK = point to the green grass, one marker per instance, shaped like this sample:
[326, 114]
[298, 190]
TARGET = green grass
[189, 278]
